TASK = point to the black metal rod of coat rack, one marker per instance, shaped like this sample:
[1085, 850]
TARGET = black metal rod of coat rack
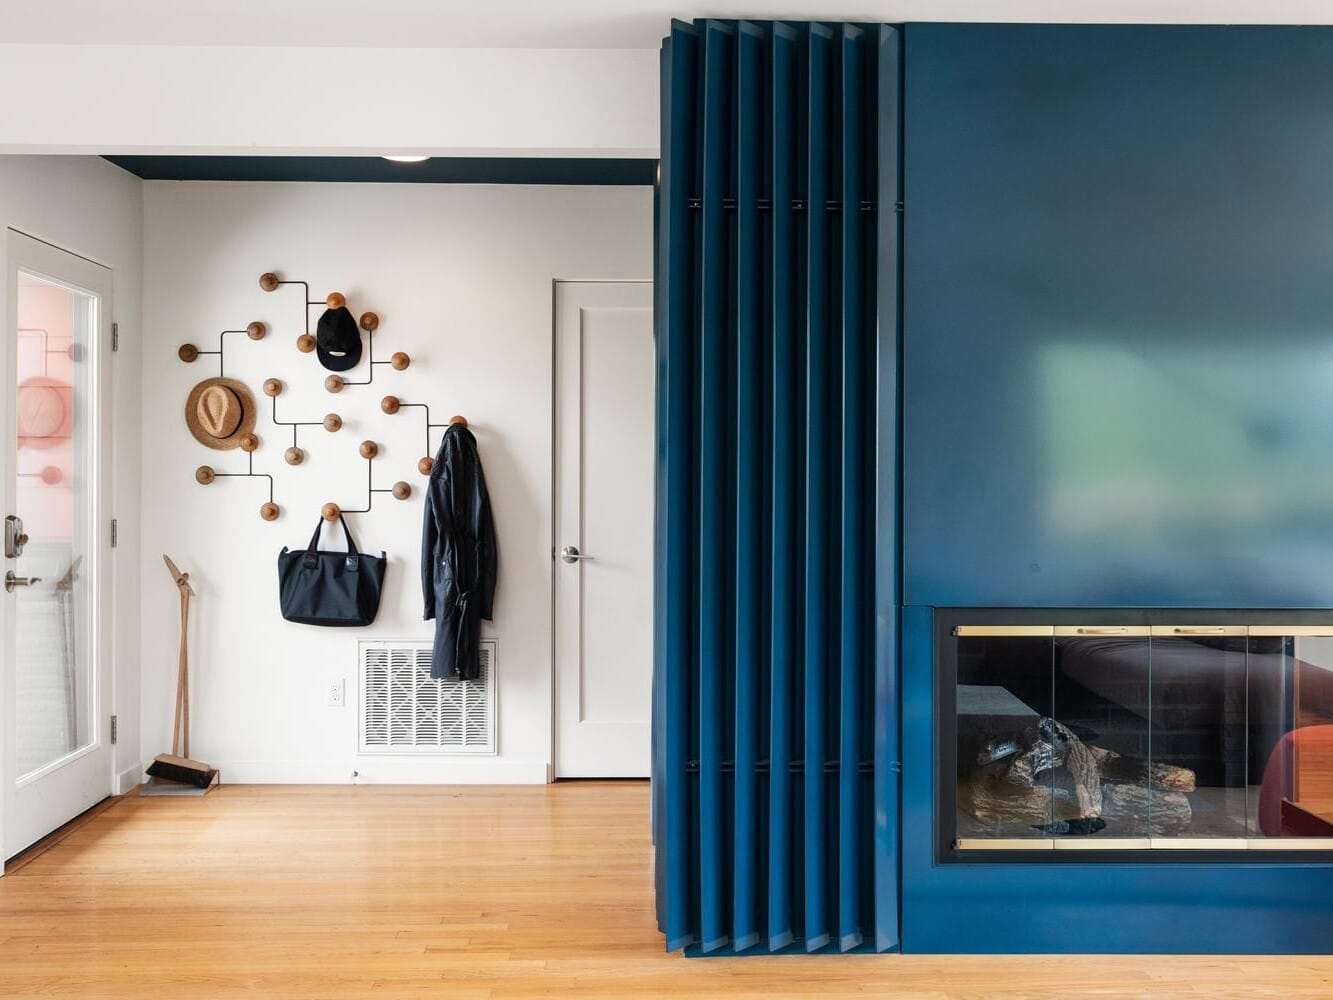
[429, 425]
[370, 334]
[205, 475]
[305, 323]
[293, 424]
[221, 351]
[249, 474]
[401, 490]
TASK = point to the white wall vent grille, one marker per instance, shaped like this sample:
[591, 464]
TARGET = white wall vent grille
[404, 711]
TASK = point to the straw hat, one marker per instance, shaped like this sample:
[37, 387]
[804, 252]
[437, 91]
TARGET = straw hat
[218, 411]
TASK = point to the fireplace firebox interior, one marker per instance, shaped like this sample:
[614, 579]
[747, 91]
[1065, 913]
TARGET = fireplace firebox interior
[1138, 737]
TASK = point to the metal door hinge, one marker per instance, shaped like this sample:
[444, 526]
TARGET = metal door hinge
[115, 730]
[115, 532]
[115, 337]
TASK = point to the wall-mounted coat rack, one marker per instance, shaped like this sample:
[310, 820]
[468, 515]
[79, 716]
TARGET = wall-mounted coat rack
[269, 281]
[190, 354]
[392, 405]
[234, 416]
[206, 474]
[295, 455]
[401, 490]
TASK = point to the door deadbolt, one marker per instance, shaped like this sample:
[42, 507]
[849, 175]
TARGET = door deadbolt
[15, 538]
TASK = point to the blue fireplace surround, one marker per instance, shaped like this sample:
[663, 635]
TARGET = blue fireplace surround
[1117, 392]
[1100, 301]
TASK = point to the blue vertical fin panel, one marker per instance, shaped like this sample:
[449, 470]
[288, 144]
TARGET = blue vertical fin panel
[852, 633]
[782, 98]
[712, 602]
[747, 378]
[817, 583]
[887, 486]
[673, 626]
[775, 717]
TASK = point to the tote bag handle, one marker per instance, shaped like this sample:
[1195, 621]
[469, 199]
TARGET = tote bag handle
[353, 560]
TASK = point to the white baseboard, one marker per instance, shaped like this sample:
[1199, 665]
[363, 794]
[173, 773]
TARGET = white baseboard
[128, 778]
[384, 770]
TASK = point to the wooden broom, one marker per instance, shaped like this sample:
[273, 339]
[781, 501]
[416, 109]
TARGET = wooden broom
[177, 765]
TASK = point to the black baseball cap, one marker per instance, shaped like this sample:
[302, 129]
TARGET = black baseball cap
[337, 340]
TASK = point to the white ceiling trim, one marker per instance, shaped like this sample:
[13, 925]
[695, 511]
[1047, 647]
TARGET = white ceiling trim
[550, 23]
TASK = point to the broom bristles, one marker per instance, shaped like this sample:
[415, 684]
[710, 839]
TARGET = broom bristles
[188, 772]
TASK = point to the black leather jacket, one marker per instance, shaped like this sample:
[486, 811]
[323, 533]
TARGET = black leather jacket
[458, 554]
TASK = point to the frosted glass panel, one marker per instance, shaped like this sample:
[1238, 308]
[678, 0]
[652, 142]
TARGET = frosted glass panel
[54, 680]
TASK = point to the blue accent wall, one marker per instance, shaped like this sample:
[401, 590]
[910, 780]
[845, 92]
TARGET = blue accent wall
[1117, 375]
[1081, 358]
[1118, 316]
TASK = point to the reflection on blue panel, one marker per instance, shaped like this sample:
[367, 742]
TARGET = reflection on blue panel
[1118, 326]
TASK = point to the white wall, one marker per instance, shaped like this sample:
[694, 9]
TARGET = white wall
[462, 279]
[264, 99]
[94, 209]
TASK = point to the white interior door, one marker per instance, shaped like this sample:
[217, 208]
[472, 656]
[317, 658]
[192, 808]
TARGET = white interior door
[54, 636]
[604, 413]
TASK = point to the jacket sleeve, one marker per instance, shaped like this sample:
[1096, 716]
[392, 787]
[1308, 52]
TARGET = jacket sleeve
[488, 555]
[430, 536]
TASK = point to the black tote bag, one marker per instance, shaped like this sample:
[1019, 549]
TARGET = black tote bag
[336, 589]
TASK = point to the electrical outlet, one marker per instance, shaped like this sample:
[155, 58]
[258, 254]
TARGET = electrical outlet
[336, 693]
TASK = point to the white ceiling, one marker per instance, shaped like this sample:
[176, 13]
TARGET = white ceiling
[547, 23]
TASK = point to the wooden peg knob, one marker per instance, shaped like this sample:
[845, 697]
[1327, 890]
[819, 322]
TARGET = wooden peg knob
[457, 419]
[402, 490]
[249, 442]
[369, 322]
[270, 511]
[305, 343]
[390, 404]
[204, 475]
[369, 449]
[334, 383]
[272, 387]
[294, 455]
[188, 353]
[336, 300]
[425, 465]
[269, 281]
[400, 361]
[256, 330]
[330, 512]
[332, 422]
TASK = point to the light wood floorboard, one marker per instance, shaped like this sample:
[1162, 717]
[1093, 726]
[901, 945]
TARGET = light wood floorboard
[377, 892]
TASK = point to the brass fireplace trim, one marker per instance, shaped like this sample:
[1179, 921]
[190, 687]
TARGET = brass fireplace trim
[996, 631]
[1198, 631]
[1102, 631]
[1144, 844]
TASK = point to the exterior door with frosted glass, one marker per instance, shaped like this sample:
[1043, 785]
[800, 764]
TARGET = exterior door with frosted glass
[55, 639]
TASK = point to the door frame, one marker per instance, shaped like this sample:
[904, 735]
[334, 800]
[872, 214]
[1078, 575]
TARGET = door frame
[46, 259]
[554, 525]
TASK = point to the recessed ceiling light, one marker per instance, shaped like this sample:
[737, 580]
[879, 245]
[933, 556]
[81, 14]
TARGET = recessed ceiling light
[406, 159]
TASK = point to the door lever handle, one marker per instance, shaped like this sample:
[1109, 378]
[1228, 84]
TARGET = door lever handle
[12, 581]
[571, 554]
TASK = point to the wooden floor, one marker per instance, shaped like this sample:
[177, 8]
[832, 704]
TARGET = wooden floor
[369, 892]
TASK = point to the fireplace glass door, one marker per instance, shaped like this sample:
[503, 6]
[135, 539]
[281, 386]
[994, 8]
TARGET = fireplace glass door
[1141, 737]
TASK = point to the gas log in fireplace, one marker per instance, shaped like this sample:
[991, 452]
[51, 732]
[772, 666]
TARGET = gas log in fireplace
[1179, 731]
